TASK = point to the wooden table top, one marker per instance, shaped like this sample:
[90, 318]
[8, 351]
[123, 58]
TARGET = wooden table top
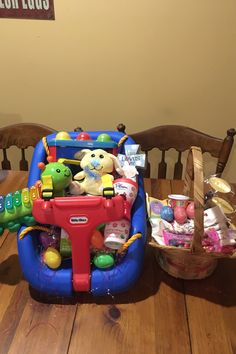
[160, 314]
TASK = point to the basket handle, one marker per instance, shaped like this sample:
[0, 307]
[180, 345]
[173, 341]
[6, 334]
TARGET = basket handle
[194, 173]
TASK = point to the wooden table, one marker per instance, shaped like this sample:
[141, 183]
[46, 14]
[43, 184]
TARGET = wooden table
[160, 314]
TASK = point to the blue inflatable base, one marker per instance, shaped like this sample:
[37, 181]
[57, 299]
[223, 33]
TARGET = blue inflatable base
[59, 282]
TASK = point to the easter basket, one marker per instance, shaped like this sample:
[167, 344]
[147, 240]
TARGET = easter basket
[194, 262]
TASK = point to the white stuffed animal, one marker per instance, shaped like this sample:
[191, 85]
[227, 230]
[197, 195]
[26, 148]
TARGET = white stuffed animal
[95, 164]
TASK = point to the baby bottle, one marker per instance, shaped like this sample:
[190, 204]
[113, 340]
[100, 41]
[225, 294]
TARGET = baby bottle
[117, 232]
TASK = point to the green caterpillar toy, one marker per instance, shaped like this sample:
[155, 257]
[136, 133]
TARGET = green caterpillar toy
[16, 208]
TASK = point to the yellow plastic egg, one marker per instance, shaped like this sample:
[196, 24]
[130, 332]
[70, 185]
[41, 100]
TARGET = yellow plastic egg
[63, 136]
[225, 206]
[219, 184]
[52, 258]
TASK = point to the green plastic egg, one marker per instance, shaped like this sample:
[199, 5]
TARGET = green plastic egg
[103, 260]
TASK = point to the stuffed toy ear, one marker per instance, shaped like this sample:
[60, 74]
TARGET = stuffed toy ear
[80, 154]
[117, 165]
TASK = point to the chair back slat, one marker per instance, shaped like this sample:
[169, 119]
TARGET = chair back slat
[162, 166]
[178, 169]
[147, 171]
[22, 135]
[6, 165]
[24, 166]
[181, 139]
[225, 151]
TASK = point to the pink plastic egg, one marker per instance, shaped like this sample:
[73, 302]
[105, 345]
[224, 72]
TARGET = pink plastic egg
[180, 214]
[190, 210]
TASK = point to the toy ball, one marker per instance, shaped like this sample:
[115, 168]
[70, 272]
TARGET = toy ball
[97, 240]
[167, 213]
[190, 210]
[63, 136]
[83, 136]
[180, 214]
[52, 258]
[104, 137]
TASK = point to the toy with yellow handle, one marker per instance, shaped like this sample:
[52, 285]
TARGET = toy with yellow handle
[47, 187]
[55, 178]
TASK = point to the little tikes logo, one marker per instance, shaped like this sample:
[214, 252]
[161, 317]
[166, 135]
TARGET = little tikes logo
[78, 219]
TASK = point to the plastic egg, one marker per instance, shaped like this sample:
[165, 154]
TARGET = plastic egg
[190, 210]
[103, 260]
[83, 136]
[63, 136]
[180, 214]
[52, 258]
[219, 184]
[167, 213]
[97, 240]
[226, 207]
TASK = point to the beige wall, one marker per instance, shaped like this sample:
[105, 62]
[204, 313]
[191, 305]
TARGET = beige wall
[142, 62]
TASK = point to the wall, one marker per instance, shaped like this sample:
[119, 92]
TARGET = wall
[142, 62]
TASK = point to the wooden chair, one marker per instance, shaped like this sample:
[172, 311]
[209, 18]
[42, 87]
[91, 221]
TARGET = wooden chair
[181, 138]
[22, 136]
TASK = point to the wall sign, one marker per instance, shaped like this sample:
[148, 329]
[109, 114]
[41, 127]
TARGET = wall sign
[32, 9]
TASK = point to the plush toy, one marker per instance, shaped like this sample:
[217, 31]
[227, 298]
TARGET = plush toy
[55, 178]
[95, 164]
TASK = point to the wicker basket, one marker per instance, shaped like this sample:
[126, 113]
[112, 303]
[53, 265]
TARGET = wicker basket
[193, 263]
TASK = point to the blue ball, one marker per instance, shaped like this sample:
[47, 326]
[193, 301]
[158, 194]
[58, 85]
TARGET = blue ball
[167, 213]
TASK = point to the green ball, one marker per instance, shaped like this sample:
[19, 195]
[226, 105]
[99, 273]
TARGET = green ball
[104, 137]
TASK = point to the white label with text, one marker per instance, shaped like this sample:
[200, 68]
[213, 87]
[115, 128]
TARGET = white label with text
[78, 219]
